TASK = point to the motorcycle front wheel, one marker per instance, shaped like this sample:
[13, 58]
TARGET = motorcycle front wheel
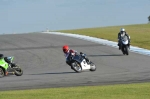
[127, 50]
[93, 67]
[18, 71]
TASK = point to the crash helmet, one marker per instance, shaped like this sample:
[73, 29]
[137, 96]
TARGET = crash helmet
[1, 56]
[122, 30]
[65, 48]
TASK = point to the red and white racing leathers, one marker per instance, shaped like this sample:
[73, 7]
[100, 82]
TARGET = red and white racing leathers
[70, 51]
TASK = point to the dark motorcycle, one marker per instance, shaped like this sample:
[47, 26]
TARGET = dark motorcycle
[125, 45]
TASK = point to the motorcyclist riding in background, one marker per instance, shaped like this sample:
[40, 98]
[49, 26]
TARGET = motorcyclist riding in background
[122, 30]
[67, 51]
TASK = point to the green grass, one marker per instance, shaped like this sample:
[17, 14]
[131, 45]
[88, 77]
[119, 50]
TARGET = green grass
[124, 91]
[140, 34]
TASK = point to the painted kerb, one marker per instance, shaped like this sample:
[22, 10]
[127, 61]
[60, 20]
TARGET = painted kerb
[103, 42]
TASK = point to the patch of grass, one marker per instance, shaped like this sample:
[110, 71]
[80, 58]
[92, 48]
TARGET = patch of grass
[140, 33]
[124, 91]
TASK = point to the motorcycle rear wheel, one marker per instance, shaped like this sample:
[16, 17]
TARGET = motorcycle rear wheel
[2, 74]
[93, 67]
[76, 67]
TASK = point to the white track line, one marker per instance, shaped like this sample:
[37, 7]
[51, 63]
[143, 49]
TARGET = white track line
[102, 41]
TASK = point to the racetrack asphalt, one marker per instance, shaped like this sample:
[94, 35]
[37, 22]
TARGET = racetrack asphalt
[42, 60]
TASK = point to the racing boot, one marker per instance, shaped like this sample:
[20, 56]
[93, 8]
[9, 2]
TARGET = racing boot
[119, 47]
[6, 73]
[84, 56]
[87, 60]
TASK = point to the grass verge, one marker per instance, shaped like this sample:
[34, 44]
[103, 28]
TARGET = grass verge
[140, 34]
[122, 91]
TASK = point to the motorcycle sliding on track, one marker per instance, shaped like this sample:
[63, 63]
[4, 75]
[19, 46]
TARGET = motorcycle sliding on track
[125, 45]
[12, 68]
[78, 63]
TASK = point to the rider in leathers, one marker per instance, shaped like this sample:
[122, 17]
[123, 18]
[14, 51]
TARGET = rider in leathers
[69, 52]
[8, 61]
[122, 30]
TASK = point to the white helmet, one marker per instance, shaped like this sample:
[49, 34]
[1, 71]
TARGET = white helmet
[122, 30]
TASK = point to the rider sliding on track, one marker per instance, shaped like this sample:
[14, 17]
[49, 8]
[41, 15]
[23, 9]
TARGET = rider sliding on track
[69, 52]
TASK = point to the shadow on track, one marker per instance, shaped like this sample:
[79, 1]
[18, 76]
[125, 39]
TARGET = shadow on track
[47, 47]
[53, 73]
[104, 55]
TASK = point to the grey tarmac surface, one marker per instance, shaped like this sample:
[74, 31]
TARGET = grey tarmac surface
[40, 56]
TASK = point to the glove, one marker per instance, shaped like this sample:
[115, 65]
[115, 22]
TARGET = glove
[72, 54]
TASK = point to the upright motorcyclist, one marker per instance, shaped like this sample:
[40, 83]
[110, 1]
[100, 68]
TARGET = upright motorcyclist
[69, 52]
[122, 30]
